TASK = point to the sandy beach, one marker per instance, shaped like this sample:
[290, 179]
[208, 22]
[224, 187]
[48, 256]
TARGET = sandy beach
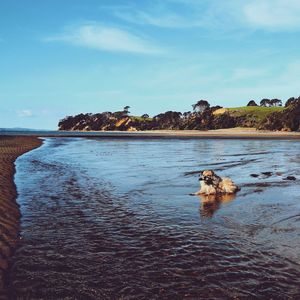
[230, 133]
[10, 149]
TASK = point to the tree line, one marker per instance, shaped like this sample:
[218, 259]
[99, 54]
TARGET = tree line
[203, 116]
[265, 102]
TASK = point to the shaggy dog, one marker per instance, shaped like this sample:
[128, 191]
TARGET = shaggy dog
[212, 184]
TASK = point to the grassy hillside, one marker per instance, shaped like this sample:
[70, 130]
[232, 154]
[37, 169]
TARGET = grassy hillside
[257, 112]
[140, 119]
[248, 116]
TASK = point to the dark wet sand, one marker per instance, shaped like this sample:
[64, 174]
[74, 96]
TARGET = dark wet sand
[10, 149]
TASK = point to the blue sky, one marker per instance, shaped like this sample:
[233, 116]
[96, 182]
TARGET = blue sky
[63, 57]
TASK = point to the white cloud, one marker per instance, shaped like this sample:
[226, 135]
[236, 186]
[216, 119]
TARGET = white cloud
[25, 113]
[273, 14]
[215, 14]
[105, 38]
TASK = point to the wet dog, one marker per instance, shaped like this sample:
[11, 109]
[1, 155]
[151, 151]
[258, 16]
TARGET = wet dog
[212, 184]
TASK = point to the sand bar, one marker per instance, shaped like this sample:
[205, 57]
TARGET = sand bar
[231, 133]
[10, 149]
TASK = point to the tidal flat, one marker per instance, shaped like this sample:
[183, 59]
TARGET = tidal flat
[113, 219]
[10, 149]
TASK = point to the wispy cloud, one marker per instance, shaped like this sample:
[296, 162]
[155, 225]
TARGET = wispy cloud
[25, 113]
[160, 14]
[166, 19]
[105, 38]
[273, 14]
[214, 14]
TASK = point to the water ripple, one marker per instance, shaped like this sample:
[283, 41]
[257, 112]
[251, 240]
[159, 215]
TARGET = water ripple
[124, 227]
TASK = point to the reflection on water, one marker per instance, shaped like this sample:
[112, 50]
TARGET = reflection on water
[210, 203]
[113, 219]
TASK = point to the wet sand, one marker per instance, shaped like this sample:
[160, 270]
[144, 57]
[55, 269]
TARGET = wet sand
[10, 149]
[230, 133]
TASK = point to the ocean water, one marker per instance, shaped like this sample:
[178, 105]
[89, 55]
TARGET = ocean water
[113, 219]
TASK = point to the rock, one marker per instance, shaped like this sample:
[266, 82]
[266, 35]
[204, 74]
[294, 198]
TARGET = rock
[263, 184]
[290, 178]
[132, 129]
[267, 173]
[254, 175]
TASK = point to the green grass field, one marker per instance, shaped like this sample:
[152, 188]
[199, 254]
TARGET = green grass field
[140, 119]
[256, 111]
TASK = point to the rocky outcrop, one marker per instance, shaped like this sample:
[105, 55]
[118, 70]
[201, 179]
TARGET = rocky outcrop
[203, 117]
[170, 120]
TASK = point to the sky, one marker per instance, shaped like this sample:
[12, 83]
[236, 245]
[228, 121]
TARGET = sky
[64, 57]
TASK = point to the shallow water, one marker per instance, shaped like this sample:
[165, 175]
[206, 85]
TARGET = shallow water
[112, 219]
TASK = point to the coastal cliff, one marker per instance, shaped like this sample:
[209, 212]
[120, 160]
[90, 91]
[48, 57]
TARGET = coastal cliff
[270, 115]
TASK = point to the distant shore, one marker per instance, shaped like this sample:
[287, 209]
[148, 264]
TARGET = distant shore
[10, 149]
[231, 133]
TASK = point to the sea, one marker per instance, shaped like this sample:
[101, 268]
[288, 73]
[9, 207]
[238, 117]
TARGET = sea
[113, 218]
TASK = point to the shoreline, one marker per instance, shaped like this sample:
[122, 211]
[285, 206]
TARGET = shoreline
[11, 147]
[231, 133]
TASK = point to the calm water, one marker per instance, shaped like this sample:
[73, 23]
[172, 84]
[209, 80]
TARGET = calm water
[112, 219]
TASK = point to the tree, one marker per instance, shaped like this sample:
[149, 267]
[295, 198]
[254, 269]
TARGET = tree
[145, 116]
[265, 102]
[214, 108]
[119, 114]
[201, 106]
[223, 121]
[287, 119]
[126, 110]
[290, 101]
[186, 114]
[252, 103]
[275, 102]
[168, 120]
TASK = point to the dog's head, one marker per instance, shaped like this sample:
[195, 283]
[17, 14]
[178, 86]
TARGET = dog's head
[207, 176]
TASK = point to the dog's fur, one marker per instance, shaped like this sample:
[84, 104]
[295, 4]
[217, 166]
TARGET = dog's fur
[212, 184]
